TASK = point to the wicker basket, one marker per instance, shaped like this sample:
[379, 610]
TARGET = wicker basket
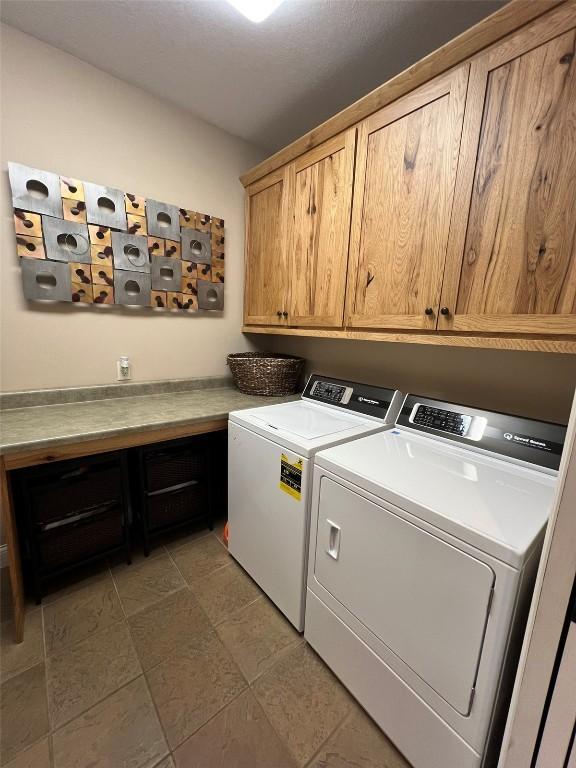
[264, 373]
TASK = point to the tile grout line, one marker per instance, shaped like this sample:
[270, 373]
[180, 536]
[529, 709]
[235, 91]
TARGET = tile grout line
[76, 587]
[34, 664]
[198, 536]
[83, 711]
[219, 540]
[159, 598]
[170, 656]
[158, 718]
[189, 584]
[48, 734]
[281, 655]
[225, 706]
[97, 704]
[18, 755]
[273, 728]
[51, 757]
[143, 671]
[117, 593]
[69, 646]
[238, 610]
[48, 709]
[137, 566]
[339, 725]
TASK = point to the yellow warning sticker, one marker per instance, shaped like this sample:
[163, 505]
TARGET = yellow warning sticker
[291, 477]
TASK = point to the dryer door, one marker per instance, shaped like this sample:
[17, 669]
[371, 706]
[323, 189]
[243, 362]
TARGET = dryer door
[427, 601]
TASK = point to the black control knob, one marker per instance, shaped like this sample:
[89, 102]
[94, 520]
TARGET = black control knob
[285, 314]
[444, 311]
[279, 314]
[428, 311]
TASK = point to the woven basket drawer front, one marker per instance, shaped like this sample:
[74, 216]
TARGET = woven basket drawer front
[173, 467]
[85, 488]
[68, 544]
[170, 508]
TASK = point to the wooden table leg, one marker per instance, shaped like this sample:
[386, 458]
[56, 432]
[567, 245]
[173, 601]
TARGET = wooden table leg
[11, 538]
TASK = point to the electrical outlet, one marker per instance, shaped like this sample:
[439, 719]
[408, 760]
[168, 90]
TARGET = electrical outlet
[123, 369]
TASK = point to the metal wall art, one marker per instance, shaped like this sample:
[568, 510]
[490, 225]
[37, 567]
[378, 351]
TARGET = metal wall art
[91, 244]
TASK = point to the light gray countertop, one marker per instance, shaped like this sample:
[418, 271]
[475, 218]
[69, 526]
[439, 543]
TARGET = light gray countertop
[42, 426]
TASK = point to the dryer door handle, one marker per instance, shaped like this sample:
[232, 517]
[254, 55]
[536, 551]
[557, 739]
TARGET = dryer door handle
[333, 540]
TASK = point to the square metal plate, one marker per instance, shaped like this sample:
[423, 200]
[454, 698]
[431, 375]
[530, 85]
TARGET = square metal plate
[196, 246]
[35, 190]
[66, 240]
[46, 280]
[210, 295]
[105, 206]
[132, 288]
[166, 273]
[163, 220]
[130, 252]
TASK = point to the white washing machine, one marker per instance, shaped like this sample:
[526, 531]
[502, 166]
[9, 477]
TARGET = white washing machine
[270, 458]
[424, 544]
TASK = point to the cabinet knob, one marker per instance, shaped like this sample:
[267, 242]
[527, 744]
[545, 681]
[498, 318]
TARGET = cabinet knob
[285, 314]
[428, 311]
[445, 311]
[279, 314]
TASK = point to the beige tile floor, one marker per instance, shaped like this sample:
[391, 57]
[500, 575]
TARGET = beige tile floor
[177, 661]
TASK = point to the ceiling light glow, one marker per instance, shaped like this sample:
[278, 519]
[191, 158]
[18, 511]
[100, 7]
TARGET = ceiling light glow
[256, 10]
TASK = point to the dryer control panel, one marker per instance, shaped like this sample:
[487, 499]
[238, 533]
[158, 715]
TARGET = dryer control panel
[365, 399]
[536, 442]
[438, 418]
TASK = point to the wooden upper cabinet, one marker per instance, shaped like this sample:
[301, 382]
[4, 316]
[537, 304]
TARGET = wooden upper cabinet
[406, 167]
[266, 287]
[512, 255]
[318, 247]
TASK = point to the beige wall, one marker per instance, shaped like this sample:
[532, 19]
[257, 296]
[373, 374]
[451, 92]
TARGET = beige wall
[65, 116]
[528, 383]
[103, 130]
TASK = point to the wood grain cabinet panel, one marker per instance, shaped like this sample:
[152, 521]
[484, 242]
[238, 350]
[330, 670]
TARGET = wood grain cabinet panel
[405, 176]
[512, 255]
[320, 232]
[266, 287]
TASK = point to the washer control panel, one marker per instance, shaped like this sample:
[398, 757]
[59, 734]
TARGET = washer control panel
[367, 399]
[330, 392]
[446, 421]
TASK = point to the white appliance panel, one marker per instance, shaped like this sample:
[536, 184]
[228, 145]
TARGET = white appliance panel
[268, 528]
[494, 505]
[426, 600]
[416, 729]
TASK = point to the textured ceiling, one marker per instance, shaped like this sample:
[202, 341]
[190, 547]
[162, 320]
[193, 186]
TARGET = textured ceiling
[267, 83]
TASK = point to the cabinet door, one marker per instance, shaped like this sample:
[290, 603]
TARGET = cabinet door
[403, 191]
[266, 286]
[511, 264]
[320, 232]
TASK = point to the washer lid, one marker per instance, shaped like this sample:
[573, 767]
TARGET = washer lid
[306, 421]
[494, 505]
